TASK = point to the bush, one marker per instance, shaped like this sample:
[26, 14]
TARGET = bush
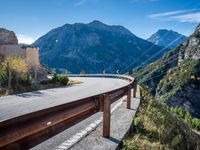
[44, 82]
[2, 91]
[176, 78]
[63, 79]
[20, 77]
[196, 123]
[82, 72]
[155, 127]
[54, 80]
[186, 117]
[26, 81]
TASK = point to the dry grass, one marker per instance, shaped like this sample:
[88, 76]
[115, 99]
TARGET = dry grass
[4, 92]
[73, 82]
[156, 128]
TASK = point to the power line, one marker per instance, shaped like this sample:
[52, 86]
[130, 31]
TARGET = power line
[145, 52]
[155, 53]
[153, 46]
[165, 65]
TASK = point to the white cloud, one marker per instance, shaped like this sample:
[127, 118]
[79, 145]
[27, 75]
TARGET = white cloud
[26, 39]
[169, 13]
[190, 17]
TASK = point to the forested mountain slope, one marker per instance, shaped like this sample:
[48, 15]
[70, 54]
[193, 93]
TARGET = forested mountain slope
[175, 79]
[93, 48]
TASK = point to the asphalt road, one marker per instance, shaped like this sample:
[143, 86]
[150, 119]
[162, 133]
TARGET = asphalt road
[17, 105]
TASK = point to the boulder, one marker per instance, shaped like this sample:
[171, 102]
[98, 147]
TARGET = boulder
[7, 37]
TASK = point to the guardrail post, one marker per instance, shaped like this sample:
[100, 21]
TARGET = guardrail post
[129, 98]
[141, 94]
[106, 117]
[101, 103]
[134, 89]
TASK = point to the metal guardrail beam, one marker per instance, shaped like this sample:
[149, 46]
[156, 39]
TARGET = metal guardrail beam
[26, 131]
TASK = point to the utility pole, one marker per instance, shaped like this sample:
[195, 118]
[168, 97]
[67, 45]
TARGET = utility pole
[9, 76]
[35, 72]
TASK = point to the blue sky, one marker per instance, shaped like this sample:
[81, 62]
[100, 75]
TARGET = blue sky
[30, 19]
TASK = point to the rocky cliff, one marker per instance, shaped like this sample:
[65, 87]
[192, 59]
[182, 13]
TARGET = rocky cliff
[7, 37]
[191, 47]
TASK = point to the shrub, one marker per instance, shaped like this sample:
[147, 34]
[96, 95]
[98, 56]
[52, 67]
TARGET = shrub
[63, 79]
[2, 91]
[155, 127]
[82, 72]
[186, 117]
[196, 123]
[54, 80]
[176, 78]
[26, 81]
[17, 65]
[19, 72]
[44, 82]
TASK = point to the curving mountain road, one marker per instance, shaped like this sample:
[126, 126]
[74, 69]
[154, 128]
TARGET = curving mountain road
[17, 105]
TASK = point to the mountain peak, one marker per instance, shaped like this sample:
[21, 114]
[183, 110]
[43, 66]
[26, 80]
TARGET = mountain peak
[96, 22]
[91, 47]
[163, 37]
[164, 31]
[111, 28]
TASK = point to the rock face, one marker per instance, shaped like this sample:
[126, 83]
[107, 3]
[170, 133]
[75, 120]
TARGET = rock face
[164, 37]
[175, 78]
[93, 48]
[191, 47]
[7, 37]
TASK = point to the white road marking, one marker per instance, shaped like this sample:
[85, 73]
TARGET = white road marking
[88, 129]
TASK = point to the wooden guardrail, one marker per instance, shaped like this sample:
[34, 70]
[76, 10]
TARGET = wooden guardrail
[28, 130]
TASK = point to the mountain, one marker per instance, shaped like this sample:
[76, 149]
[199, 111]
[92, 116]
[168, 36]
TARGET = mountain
[164, 37]
[7, 37]
[93, 48]
[175, 79]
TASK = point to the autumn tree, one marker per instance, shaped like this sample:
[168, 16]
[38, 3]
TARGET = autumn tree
[14, 70]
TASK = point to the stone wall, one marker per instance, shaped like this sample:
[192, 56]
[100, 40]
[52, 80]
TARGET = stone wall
[12, 50]
[30, 54]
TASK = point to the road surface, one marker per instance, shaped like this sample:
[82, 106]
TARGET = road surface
[17, 105]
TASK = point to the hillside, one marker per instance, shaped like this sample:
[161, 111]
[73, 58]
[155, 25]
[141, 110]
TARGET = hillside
[163, 132]
[164, 37]
[93, 48]
[175, 79]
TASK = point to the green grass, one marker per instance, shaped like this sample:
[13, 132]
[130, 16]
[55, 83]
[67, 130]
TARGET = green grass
[186, 117]
[176, 78]
[156, 128]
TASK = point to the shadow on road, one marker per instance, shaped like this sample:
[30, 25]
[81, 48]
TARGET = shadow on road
[114, 140]
[31, 94]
